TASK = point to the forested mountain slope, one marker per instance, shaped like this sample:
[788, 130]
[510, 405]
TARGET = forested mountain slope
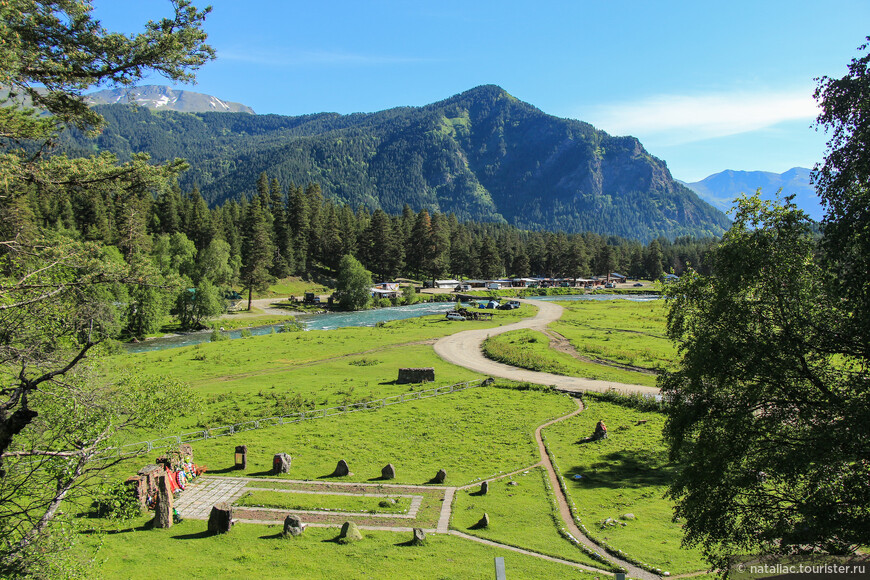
[483, 155]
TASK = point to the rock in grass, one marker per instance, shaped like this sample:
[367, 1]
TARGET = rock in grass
[419, 538]
[293, 526]
[281, 463]
[484, 488]
[440, 476]
[388, 472]
[385, 503]
[484, 522]
[628, 517]
[341, 469]
[220, 520]
[349, 533]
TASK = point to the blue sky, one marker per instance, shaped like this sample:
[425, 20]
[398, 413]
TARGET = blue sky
[704, 86]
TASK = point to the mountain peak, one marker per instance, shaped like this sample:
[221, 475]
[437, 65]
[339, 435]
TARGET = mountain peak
[162, 98]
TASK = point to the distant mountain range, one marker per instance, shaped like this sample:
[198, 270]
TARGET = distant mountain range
[483, 155]
[165, 99]
[721, 189]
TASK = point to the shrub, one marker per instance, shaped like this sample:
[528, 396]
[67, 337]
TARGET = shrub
[115, 501]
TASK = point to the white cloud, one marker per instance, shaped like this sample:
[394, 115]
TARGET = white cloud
[676, 119]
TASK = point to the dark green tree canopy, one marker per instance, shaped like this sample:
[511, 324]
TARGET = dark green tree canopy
[769, 415]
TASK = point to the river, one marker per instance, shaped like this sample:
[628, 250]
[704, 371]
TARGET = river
[332, 320]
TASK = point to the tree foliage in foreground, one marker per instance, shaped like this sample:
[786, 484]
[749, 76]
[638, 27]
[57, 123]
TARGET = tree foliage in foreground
[58, 293]
[769, 417]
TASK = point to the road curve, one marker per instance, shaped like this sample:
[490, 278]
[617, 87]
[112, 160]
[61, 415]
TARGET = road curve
[464, 349]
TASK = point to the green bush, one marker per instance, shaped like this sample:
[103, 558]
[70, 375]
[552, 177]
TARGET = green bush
[115, 501]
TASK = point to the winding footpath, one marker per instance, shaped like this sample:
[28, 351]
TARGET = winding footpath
[464, 349]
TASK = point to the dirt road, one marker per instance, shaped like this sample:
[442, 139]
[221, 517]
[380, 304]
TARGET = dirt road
[265, 307]
[464, 349]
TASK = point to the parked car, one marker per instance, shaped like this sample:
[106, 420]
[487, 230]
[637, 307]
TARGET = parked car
[462, 288]
[454, 316]
[638, 285]
[610, 285]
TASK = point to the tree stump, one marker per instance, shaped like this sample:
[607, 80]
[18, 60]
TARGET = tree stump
[281, 463]
[440, 476]
[388, 472]
[163, 507]
[293, 526]
[419, 538]
[349, 533]
[220, 520]
[341, 469]
[484, 488]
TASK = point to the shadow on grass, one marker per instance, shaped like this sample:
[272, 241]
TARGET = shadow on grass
[261, 473]
[225, 470]
[195, 536]
[146, 526]
[620, 469]
[278, 536]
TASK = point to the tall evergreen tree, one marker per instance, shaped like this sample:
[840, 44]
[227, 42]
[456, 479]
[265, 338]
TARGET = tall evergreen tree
[257, 251]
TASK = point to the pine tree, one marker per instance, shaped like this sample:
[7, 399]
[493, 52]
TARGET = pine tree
[257, 251]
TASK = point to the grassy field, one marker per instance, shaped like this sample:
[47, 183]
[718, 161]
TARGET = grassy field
[258, 551]
[621, 331]
[472, 434]
[323, 502]
[530, 349]
[521, 514]
[615, 340]
[278, 374]
[627, 473]
[475, 434]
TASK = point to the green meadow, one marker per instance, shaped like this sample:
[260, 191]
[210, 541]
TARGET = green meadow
[278, 374]
[613, 340]
[259, 551]
[322, 502]
[522, 513]
[474, 434]
[619, 331]
[619, 496]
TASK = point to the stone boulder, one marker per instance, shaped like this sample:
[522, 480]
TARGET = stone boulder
[388, 472]
[483, 522]
[281, 463]
[293, 526]
[349, 533]
[419, 538]
[220, 520]
[484, 488]
[341, 469]
[418, 375]
[440, 476]
[163, 506]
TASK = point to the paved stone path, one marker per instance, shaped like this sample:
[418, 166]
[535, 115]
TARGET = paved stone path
[196, 500]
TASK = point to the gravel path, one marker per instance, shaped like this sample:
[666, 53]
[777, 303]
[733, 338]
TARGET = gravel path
[464, 349]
